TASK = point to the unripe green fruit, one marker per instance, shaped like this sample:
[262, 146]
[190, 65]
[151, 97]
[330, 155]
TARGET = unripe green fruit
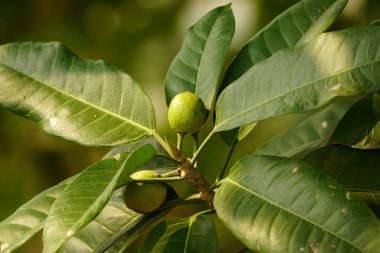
[144, 197]
[186, 113]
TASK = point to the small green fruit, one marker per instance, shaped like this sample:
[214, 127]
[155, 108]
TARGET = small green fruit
[144, 197]
[186, 113]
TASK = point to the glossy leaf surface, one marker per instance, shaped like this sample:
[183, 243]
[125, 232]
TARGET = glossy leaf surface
[87, 195]
[304, 78]
[198, 66]
[275, 204]
[195, 234]
[86, 101]
[300, 23]
[29, 219]
[311, 133]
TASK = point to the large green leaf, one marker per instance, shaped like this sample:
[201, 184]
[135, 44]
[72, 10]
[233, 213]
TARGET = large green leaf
[304, 78]
[113, 219]
[311, 133]
[358, 122]
[198, 65]
[86, 101]
[298, 24]
[275, 204]
[28, 219]
[355, 169]
[86, 196]
[195, 234]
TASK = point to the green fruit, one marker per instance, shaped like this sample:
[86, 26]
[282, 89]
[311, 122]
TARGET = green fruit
[186, 113]
[144, 197]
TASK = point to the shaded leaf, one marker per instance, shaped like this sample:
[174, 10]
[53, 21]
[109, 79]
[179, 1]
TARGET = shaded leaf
[372, 199]
[304, 78]
[194, 234]
[311, 133]
[357, 123]
[87, 195]
[371, 140]
[86, 101]
[355, 169]
[298, 24]
[198, 65]
[275, 204]
[28, 219]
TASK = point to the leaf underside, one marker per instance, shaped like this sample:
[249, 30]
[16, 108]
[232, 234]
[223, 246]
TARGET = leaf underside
[275, 204]
[85, 101]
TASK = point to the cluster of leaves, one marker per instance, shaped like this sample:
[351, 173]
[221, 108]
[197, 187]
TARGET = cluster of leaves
[314, 187]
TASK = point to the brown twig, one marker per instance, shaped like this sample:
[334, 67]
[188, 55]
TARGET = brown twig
[193, 175]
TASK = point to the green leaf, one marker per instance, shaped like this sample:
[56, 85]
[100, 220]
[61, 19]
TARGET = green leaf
[303, 78]
[298, 24]
[28, 219]
[86, 101]
[371, 140]
[195, 234]
[355, 169]
[198, 65]
[86, 196]
[309, 134]
[113, 219]
[275, 204]
[358, 122]
[372, 199]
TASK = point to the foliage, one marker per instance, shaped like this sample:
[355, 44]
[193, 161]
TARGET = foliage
[314, 187]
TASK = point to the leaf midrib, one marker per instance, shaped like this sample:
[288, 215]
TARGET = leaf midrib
[148, 130]
[289, 211]
[292, 90]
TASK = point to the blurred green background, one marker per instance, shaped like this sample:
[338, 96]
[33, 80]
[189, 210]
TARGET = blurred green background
[139, 36]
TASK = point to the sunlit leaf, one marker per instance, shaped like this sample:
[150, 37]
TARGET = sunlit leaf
[87, 195]
[28, 219]
[86, 101]
[198, 65]
[275, 204]
[303, 78]
[298, 24]
[195, 234]
[114, 219]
